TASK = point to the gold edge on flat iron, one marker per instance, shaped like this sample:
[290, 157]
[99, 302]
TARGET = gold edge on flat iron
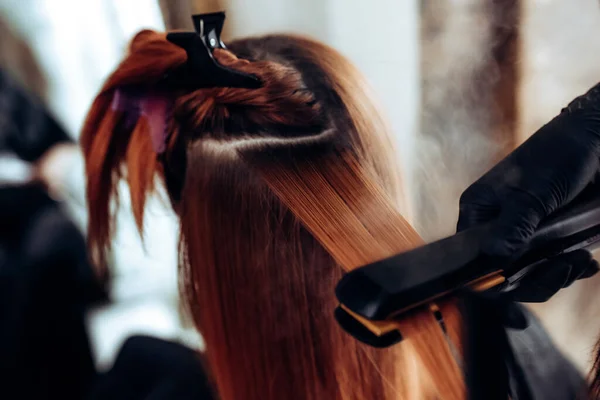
[380, 328]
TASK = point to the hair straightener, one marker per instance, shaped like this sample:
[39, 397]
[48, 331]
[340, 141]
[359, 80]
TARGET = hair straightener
[373, 297]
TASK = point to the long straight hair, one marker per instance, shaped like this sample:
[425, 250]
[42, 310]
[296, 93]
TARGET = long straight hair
[278, 191]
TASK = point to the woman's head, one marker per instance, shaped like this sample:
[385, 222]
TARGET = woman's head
[278, 189]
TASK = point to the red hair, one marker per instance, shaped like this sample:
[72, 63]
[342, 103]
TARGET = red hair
[278, 191]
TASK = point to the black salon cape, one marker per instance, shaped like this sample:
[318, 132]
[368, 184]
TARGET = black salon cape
[46, 284]
[547, 374]
[46, 287]
[148, 368]
[523, 363]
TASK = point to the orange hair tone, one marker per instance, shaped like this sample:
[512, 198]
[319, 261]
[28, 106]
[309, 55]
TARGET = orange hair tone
[278, 190]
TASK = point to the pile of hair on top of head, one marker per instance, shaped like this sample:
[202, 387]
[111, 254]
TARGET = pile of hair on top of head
[114, 136]
[269, 220]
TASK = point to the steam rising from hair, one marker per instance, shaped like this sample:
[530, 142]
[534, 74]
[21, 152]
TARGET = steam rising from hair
[462, 134]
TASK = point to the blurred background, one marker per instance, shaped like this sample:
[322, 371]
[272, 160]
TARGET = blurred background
[461, 81]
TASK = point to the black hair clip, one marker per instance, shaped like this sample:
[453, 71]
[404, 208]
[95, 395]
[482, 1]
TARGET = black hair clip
[202, 70]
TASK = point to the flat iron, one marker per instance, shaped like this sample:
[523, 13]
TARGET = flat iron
[374, 296]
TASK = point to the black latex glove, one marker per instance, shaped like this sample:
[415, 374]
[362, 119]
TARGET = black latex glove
[549, 277]
[538, 286]
[547, 171]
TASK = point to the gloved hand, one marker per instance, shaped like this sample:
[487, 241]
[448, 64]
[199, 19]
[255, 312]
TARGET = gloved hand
[547, 171]
[538, 286]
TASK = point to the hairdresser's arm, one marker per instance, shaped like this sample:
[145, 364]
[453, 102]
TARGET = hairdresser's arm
[543, 174]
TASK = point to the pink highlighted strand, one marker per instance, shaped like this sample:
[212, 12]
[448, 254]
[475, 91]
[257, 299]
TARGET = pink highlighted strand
[152, 106]
[155, 108]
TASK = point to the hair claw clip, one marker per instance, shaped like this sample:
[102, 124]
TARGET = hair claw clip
[202, 70]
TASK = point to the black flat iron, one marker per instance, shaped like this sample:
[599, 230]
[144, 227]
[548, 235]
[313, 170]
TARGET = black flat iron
[373, 297]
